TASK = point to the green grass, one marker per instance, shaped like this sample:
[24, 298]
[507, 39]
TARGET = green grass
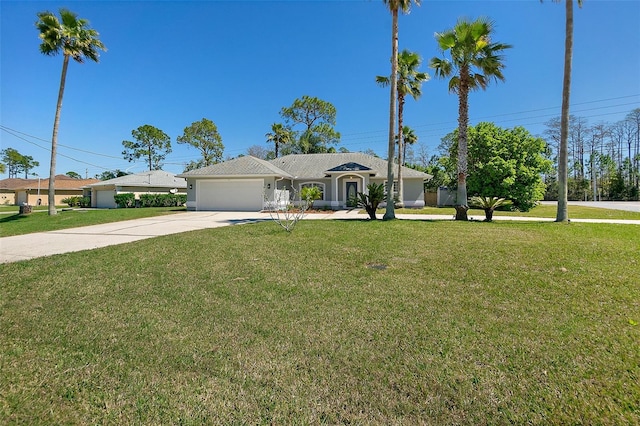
[41, 221]
[543, 211]
[354, 322]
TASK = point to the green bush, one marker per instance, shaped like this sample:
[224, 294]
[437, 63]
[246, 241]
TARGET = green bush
[126, 200]
[77, 201]
[162, 200]
[70, 201]
[310, 194]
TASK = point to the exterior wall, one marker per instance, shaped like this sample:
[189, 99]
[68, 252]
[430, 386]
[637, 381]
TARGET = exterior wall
[136, 190]
[8, 198]
[31, 197]
[191, 193]
[327, 192]
[413, 193]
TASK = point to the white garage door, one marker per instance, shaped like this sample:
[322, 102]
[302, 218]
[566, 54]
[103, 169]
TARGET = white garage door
[104, 199]
[230, 195]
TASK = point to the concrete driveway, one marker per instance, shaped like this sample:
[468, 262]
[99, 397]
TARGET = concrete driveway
[23, 247]
[30, 246]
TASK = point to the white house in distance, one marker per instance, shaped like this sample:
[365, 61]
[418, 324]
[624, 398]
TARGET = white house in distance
[243, 183]
[151, 182]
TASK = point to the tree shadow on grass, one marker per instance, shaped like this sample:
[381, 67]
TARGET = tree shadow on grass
[12, 218]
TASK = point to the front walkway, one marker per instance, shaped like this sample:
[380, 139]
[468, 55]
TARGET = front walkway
[30, 246]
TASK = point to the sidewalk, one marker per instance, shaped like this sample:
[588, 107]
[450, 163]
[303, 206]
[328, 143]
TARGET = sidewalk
[30, 246]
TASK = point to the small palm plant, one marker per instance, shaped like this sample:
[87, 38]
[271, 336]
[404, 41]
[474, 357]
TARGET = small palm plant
[371, 200]
[488, 204]
[310, 194]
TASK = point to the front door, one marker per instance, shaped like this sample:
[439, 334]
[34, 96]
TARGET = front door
[352, 193]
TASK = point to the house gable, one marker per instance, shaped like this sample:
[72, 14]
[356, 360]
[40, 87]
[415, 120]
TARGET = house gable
[350, 167]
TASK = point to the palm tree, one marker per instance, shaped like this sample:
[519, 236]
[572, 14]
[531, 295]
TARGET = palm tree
[279, 135]
[562, 214]
[409, 82]
[73, 37]
[409, 137]
[394, 6]
[475, 61]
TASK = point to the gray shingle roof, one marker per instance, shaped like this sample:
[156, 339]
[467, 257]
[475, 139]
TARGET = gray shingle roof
[241, 166]
[315, 166]
[154, 178]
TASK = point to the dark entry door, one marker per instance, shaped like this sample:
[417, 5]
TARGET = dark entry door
[352, 192]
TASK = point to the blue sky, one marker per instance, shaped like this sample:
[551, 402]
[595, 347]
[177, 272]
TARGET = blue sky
[170, 63]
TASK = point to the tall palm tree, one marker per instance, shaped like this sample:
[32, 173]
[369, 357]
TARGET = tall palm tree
[474, 61]
[409, 82]
[409, 137]
[562, 214]
[73, 38]
[394, 6]
[279, 135]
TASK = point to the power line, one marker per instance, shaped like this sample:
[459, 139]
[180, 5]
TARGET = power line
[49, 150]
[372, 136]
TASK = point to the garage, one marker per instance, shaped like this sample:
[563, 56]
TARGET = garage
[230, 194]
[105, 200]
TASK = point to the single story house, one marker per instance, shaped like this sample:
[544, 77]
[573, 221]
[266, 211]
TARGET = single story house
[150, 182]
[36, 191]
[246, 183]
[8, 189]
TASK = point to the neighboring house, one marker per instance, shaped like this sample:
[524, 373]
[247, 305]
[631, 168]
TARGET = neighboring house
[151, 182]
[8, 189]
[36, 191]
[244, 183]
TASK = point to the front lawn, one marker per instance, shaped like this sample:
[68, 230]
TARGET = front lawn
[543, 211]
[15, 224]
[355, 322]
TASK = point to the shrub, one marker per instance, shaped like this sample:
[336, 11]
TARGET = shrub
[488, 204]
[309, 194]
[371, 200]
[77, 201]
[70, 201]
[162, 200]
[126, 200]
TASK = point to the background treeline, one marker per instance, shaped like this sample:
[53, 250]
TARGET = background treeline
[604, 161]
[604, 158]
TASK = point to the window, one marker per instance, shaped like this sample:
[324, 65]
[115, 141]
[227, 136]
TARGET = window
[320, 186]
[395, 187]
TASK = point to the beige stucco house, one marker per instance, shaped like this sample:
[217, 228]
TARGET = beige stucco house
[36, 191]
[245, 183]
[150, 182]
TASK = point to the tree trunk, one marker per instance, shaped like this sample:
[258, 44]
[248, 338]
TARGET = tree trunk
[390, 211]
[463, 121]
[594, 178]
[488, 215]
[400, 150]
[54, 139]
[562, 214]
